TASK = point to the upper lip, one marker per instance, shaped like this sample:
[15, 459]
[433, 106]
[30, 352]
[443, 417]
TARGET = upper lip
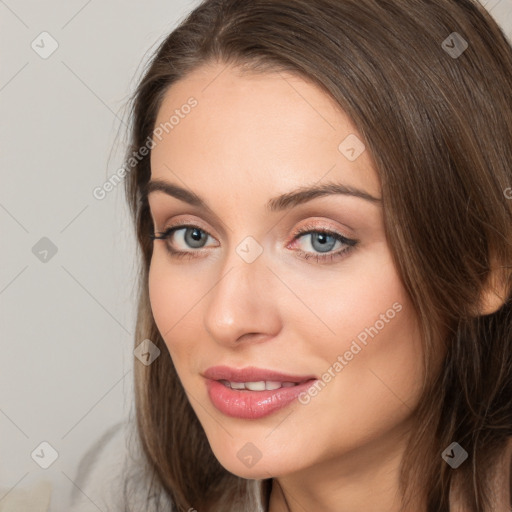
[252, 374]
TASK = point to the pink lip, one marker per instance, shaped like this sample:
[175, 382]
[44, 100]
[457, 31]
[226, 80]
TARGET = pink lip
[252, 404]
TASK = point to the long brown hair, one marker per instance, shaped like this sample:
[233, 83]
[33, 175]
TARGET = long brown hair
[439, 127]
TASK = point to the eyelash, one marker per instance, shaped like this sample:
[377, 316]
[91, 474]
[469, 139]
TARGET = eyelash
[307, 230]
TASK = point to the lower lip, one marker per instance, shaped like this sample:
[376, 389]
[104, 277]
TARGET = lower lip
[252, 405]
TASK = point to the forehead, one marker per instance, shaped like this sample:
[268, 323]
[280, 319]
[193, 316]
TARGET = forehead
[271, 130]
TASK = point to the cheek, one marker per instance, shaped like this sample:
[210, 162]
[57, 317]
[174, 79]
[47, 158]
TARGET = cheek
[379, 384]
[363, 300]
[172, 295]
[370, 365]
[162, 298]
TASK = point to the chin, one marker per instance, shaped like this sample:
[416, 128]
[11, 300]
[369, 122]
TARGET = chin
[249, 462]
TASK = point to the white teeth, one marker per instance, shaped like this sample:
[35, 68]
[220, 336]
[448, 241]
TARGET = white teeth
[259, 385]
[255, 386]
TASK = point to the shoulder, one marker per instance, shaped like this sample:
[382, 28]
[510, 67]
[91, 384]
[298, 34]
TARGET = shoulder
[112, 467]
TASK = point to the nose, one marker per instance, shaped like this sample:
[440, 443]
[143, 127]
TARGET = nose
[243, 305]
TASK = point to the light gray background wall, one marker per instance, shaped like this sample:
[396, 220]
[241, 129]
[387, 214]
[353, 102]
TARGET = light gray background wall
[67, 323]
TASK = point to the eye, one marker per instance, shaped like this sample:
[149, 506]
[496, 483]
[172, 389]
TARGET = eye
[319, 244]
[189, 236]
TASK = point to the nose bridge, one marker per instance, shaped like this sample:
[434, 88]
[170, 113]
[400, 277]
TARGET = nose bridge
[241, 300]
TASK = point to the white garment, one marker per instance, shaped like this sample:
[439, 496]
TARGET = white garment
[110, 463]
[34, 499]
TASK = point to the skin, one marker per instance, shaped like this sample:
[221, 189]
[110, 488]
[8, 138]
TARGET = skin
[250, 138]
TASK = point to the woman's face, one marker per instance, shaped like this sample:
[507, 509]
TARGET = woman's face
[301, 290]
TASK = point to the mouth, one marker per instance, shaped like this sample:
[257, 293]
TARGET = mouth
[261, 385]
[252, 393]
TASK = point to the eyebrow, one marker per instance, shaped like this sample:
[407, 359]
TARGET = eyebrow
[282, 202]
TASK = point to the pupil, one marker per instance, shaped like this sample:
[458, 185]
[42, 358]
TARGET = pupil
[194, 237]
[325, 246]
